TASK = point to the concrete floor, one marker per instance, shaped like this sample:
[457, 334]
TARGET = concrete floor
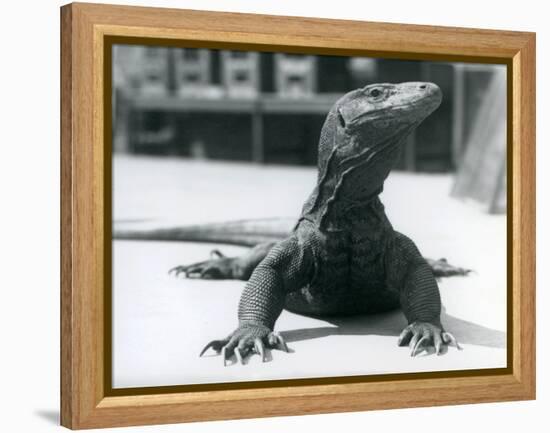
[161, 323]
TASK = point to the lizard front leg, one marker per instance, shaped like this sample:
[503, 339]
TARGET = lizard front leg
[419, 298]
[284, 270]
[220, 267]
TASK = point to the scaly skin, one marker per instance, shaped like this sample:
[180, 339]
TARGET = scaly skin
[343, 256]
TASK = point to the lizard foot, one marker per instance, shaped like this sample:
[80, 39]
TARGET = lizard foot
[219, 267]
[422, 335]
[246, 339]
[442, 268]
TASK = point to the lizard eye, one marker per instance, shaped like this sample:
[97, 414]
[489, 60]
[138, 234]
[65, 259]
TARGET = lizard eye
[375, 93]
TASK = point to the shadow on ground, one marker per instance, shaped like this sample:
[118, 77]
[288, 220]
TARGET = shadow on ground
[391, 324]
[50, 415]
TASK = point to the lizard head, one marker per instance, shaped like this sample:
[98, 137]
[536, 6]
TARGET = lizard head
[361, 142]
[369, 125]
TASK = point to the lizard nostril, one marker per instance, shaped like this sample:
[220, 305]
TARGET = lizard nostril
[422, 86]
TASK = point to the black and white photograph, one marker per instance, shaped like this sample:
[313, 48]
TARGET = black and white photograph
[292, 216]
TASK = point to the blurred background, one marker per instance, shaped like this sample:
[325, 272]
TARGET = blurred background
[268, 108]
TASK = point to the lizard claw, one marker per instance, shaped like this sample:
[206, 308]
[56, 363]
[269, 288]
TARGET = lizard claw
[216, 254]
[276, 340]
[421, 336]
[418, 346]
[217, 268]
[245, 339]
[442, 268]
[224, 356]
[217, 345]
[449, 338]
[177, 270]
[259, 347]
[191, 271]
[239, 356]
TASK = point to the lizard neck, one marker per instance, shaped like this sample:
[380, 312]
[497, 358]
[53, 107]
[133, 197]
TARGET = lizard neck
[343, 196]
[351, 216]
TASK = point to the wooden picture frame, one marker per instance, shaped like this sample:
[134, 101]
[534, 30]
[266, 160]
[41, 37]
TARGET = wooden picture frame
[87, 399]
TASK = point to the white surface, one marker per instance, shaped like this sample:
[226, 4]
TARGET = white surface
[160, 323]
[29, 170]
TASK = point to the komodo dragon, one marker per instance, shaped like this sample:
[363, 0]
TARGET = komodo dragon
[343, 256]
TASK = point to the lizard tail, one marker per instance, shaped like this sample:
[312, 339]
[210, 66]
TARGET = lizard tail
[241, 232]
